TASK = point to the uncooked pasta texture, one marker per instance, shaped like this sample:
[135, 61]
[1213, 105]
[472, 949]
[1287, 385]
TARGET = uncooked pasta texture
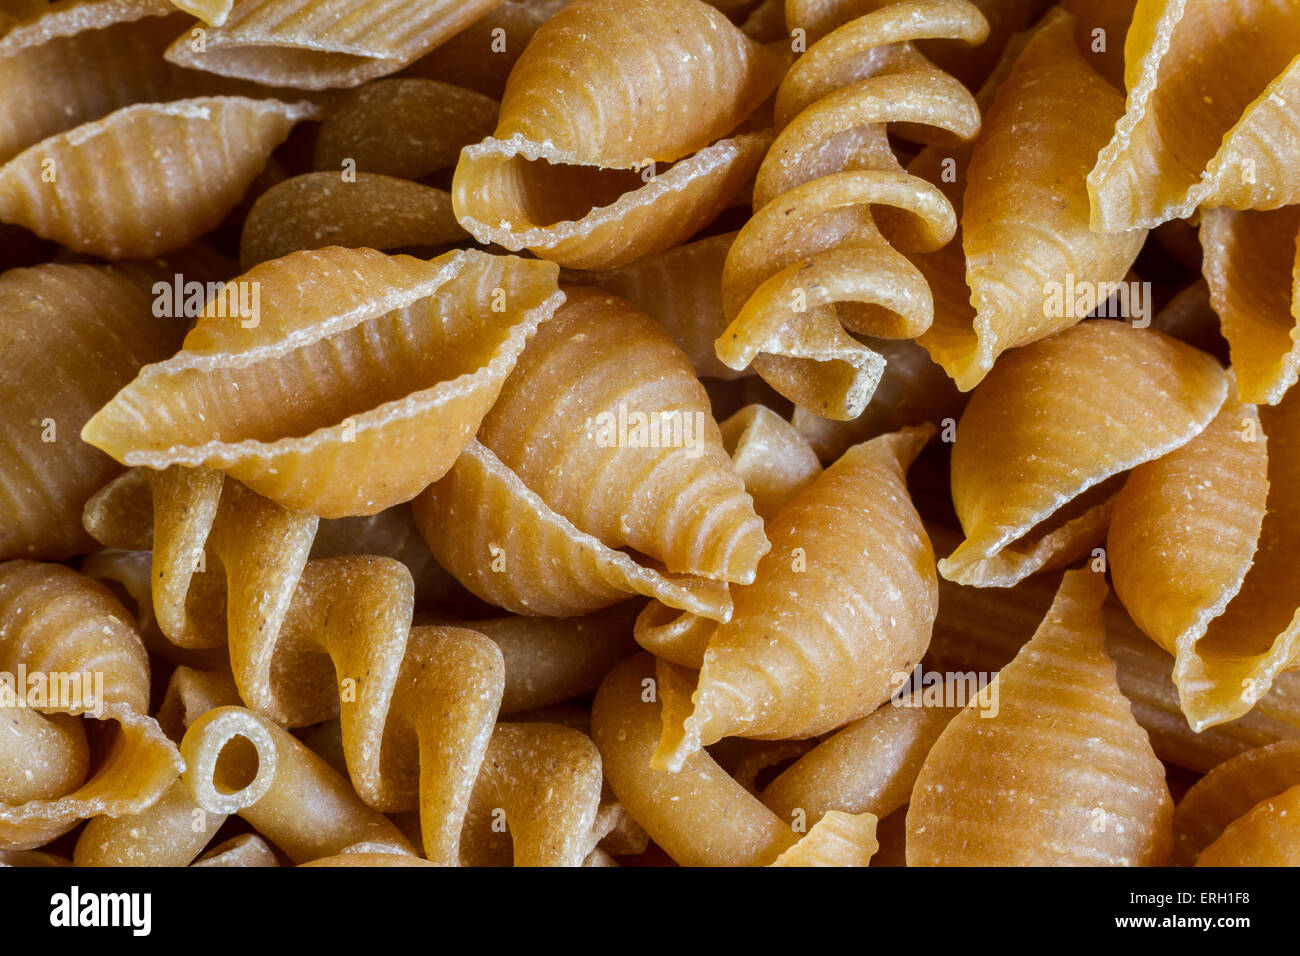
[649, 432]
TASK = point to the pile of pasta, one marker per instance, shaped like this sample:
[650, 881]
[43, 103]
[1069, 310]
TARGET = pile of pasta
[645, 432]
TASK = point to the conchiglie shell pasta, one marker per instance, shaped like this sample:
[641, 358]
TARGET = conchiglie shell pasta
[1266, 836]
[317, 44]
[839, 613]
[1228, 792]
[1046, 429]
[1208, 120]
[570, 171]
[1253, 270]
[1061, 775]
[61, 625]
[357, 363]
[1045, 126]
[71, 336]
[1217, 585]
[147, 178]
[321, 209]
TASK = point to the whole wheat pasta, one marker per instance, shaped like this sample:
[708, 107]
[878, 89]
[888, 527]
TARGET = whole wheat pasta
[317, 44]
[605, 91]
[71, 337]
[1032, 476]
[402, 352]
[1265, 836]
[1210, 119]
[1061, 775]
[70, 653]
[839, 613]
[1100, 29]
[751, 763]
[1217, 585]
[1251, 267]
[68, 187]
[316, 210]
[248, 849]
[813, 265]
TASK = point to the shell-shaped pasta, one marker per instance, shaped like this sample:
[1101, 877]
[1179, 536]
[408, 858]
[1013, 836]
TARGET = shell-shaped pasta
[337, 362]
[1050, 425]
[69, 650]
[1025, 217]
[1104, 50]
[813, 264]
[839, 613]
[237, 761]
[71, 337]
[1208, 119]
[570, 172]
[1252, 266]
[1266, 836]
[1060, 775]
[405, 128]
[1217, 585]
[317, 44]
[321, 209]
[1228, 792]
[146, 178]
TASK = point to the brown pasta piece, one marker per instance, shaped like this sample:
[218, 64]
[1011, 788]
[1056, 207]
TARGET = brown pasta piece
[248, 849]
[406, 128]
[1266, 836]
[1063, 775]
[1216, 585]
[62, 631]
[813, 264]
[1029, 468]
[1228, 792]
[390, 354]
[317, 44]
[1252, 266]
[1208, 119]
[368, 859]
[71, 336]
[840, 611]
[59, 188]
[316, 210]
[571, 171]
[751, 762]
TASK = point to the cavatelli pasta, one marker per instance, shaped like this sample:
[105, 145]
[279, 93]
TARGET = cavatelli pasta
[1062, 775]
[339, 361]
[840, 611]
[1025, 212]
[317, 44]
[813, 265]
[316, 210]
[71, 337]
[571, 172]
[1251, 266]
[59, 632]
[1216, 584]
[1209, 119]
[1039, 447]
[95, 189]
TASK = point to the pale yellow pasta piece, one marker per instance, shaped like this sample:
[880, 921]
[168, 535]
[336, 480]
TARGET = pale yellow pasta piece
[368, 859]
[237, 761]
[839, 613]
[605, 91]
[246, 850]
[315, 210]
[837, 839]
[213, 12]
[1217, 584]
[1252, 266]
[96, 189]
[1209, 119]
[317, 44]
[71, 337]
[1050, 425]
[1266, 836]
[390, 353]
[1062, 775]
[72, 637]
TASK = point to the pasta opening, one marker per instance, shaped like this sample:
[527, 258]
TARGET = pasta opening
[236, 766]
[551, 193]
[1073, 509]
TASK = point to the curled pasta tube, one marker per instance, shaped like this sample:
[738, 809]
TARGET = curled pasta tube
[66, 631]
[814, 264]
[279, 786]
